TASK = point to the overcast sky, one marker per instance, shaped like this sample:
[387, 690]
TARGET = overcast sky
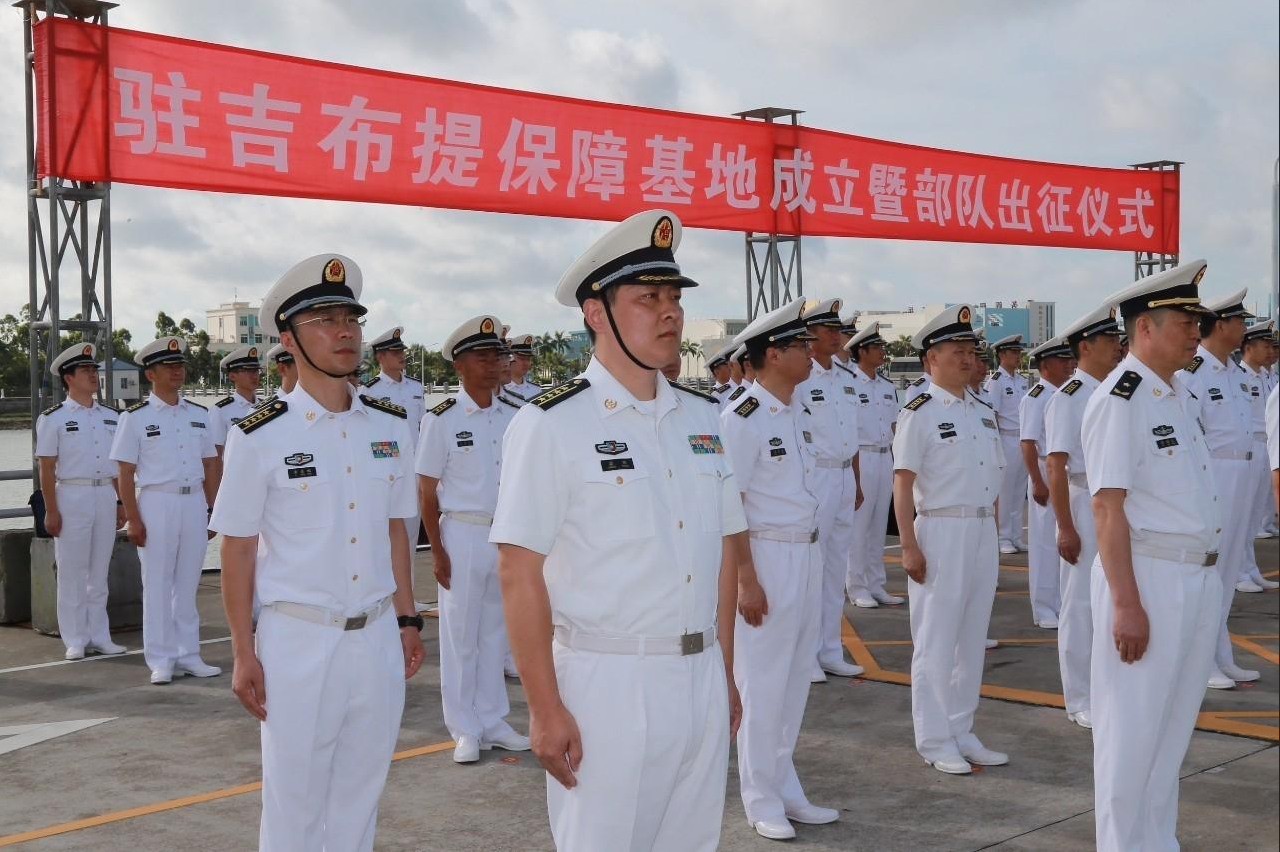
[1094, 82]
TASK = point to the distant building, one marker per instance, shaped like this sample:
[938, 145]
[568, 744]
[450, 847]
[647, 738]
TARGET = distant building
[233, 324]
[1035, 321]
[125, 380]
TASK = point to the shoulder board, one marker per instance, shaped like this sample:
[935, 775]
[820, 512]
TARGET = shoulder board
[1195, 363]
[737, 393]
[1126, 384]
[918, 382]
[445, 406]
[699, 394]
[136, 406]
[411, 379]
[502, 398]
[848, 370]
[750, 405]
[509, 392]
[196, 404]
[262, 414]
[222, 403]
[1071, 387]
[384, 406]
[109, 407]
[977, 399]
[372, 382]
[721, 388]
[1036, 391]
[51, 408]
[917, 402]
[559, 393]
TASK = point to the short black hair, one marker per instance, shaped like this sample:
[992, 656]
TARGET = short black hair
[1208, 322]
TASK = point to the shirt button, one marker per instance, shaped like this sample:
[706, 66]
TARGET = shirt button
[355, 577]
[688, 578]
[302, 487]
[353, 539]
[618, 480]
[668, 473]
[351, 505]
[344, 434]
[348, 468]
[680, 524]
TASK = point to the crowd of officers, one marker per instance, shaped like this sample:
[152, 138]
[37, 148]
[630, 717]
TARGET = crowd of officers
[667, 569]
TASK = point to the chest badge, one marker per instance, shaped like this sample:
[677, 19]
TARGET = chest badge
[463, 435]
[1162, 431]
[611, 448]
[299, 459]
[706, 445]
[775, 442]
[385, 449]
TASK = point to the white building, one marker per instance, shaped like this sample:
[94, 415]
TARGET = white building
[233, 324]
[125, 381]
[1035, 321]
[711, 335]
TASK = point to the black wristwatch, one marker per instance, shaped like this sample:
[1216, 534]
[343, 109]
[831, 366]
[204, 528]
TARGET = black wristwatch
[410, 621]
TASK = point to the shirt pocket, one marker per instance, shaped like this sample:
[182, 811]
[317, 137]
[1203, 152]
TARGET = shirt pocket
[619, 503]
[305, 497]
[708, 492]
[1170, 459]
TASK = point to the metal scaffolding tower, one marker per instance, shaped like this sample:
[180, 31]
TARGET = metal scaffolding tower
[68, 231]
[1147, 262]
[773, 260]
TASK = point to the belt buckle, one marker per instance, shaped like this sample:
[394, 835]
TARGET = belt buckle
[184, 489]
[691, 643]
[1210, 559]
[356, 622]
[813, 536]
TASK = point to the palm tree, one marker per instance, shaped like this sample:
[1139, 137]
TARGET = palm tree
[689, 349]
[900, 348]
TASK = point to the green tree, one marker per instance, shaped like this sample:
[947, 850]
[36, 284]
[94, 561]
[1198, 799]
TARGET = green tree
[900, 348]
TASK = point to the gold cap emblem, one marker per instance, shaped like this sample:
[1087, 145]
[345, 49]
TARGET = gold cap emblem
[253, 352]
[965, 313]
[173, 344]
[88, 350]
[486, 326]
[335, 272]
[663, 233]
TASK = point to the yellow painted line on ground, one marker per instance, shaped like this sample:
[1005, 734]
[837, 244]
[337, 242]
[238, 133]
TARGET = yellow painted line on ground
[1257, 650]
[1221, 721]
[174, 804]
[1272, 636]
[1013, 593]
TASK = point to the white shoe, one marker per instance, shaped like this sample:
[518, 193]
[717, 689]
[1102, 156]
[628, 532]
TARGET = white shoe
[1217, 680]
[107, 647]
[1265, 583]
[817, 676]
[984, 756]
[955, 765]
[197, 669]
[75, 652]
[774, 829]
[1007, 549]
[1047, 624]
[841, 669]
[865, 603]
[159, 677]
[1238, 674]
[992, 643]
[1081, 718]
[887, 599]
[1022, 546]
[511, 741]
[511, 673]
[467, 750]
[1248, 586]
[812, 814]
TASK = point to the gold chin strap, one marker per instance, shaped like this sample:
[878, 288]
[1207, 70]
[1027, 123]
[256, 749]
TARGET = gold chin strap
[1181, 300]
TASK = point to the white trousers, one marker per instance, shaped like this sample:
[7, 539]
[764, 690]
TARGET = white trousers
[1259, 502]
[865, 574]
[836, 540]
[1144, 712]
[655, 752]
[1042, 556]
[177, 537]
[1231, 476]
[950, 612]
[334, 699]
[1013, 491]
[472, 635]
[83, 553]
[771, 665]
[1075, 620]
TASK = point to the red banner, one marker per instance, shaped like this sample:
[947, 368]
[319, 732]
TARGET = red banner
[131, 107]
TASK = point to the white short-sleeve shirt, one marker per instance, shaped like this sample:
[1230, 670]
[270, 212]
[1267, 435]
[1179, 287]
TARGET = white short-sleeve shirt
[771, 446]
[628, 500]
[461, 445]
[80, 438]
[166, 442]
[1273, 428]
[1140, 435]
[1005, 391]
[226, 413]
[1220, 402]
[953, 447]
[1063, 416]
[878, 408]
[318, 488]
[1031, 414]
[833, 411]
[406, 393]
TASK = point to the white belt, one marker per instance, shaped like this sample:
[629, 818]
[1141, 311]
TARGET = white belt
[1079, 480]
[95, 483]
[1013, 433]
[639, 646]
[872, 448]
[1261, 437]
[1203, 558]
[1234, 455]
[838, 464]
[786, 537]
[958, 512]
[479, 519]
[171, 488]
[329, 617]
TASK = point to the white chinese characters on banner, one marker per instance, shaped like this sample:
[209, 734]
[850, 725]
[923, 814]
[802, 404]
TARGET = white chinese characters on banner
[355, 127]
[1093, 211]
[276, 153]
[448, 152]
[791, 181]
[598, 164]
[843, 179]
[887, 186]
[1131, 211]
[733, 174]
[1013, 213]
[667, 180]
[532, 168]
[140, 117]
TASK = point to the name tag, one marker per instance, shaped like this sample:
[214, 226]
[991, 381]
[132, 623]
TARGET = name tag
[72, 426]
[109, 422]
[947, 435]
[198, 425]
[153, 433]
[617, 464]
[300, 472]
[1165, 443]
[466, 443]
[778, 451]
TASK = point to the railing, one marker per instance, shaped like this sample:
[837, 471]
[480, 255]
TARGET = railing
[12, 476]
